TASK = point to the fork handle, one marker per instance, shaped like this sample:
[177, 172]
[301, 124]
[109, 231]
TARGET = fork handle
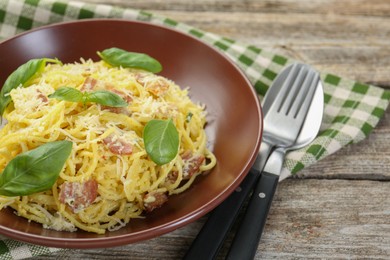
[210, 238]
[213, 233]
[247, 238]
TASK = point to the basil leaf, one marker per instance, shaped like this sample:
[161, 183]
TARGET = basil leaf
[67, 94]
[161, 140]
[117, 57]
[103, 97]
[35, 170]
[21, 76]
[106, 98]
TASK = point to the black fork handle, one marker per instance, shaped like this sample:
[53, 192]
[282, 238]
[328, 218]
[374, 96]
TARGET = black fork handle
[210, 238]
[247, 238]
[213, 233]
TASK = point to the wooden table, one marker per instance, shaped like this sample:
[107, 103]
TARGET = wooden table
[342, 209]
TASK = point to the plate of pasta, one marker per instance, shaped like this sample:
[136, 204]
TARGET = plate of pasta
[117, 131]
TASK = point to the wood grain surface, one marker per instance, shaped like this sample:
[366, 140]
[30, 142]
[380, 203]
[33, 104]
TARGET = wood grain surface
[338, 208]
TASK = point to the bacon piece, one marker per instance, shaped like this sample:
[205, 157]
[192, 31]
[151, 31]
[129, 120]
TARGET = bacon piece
[154, 200]
[78, 195]
[118, 145]
[172, 177]
[117, 110]
[89, 84]
[42, 96]
[140, 77]
[192, 163]
[122, 94]
[191, 166]
[157, 86]
[186, 155]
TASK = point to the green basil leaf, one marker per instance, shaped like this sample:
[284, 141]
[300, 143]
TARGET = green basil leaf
[103, 97]
[106, 98]
[68, 94]
[161, 140]
[117, 57]
[21, 76]
[35, 170]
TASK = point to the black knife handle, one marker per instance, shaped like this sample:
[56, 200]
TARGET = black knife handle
[210, 238]
[247, 238]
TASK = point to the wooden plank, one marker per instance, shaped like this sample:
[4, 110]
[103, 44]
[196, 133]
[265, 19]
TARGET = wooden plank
[351, 46]
[340, 219]
[344, 37]
[349, 7]
[322, 218]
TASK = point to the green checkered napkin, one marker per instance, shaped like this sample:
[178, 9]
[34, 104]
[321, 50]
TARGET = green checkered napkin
[352, 109]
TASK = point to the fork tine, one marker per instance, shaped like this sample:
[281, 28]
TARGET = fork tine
[291, 104]
[285, 88]
[294, 90]
[301, 91]
[308, 89]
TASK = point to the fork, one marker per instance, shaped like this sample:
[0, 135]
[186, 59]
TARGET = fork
[286, 115]
[213, 233]
[282, 125]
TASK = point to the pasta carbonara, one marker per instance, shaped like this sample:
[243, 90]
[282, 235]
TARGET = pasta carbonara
[108, 178]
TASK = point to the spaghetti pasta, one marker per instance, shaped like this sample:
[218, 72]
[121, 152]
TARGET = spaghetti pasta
[109, 178]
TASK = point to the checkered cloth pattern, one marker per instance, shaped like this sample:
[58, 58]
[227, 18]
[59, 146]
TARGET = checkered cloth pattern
[352, 109]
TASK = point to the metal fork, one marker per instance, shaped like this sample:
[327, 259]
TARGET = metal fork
[284, 89]
[282, 125]
[285, 116]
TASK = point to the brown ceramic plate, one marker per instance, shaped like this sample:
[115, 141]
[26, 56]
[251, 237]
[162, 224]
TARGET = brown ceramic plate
[234, 129]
